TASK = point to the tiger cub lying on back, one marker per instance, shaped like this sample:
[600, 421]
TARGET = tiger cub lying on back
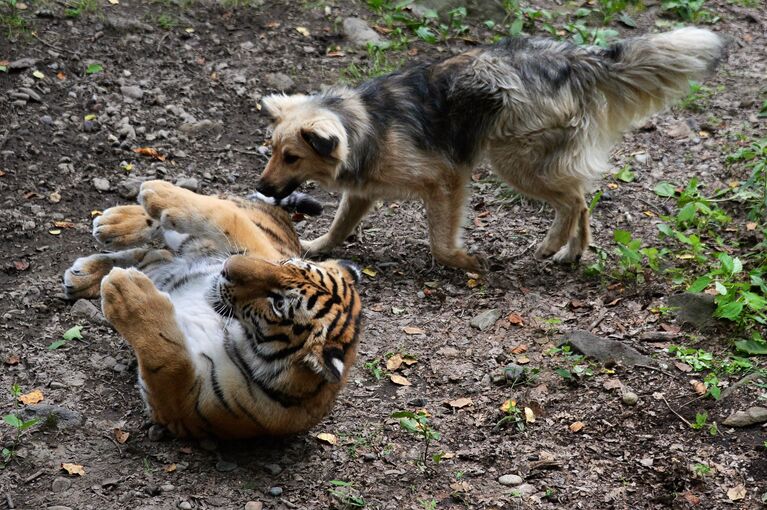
[258, 343]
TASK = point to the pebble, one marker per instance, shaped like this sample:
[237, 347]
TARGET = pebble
[132, 91]
[279, 81]
[101, 184]
[642, 158]
[129, 188]
[358, 32]
[486, 319]
[273, 469]
[224, 466]
[60, 484]
[189, 183]
[275, 491]
[87, 310]
[254, 505]
[526, 489]
[201, 127]
[31, 93]
[47, 120]
[511, 480]
[185, 505]
[156, 432]
[59, 507]
[751, 416]
[119, 367]
[22, 63]
[630, 398]
[167, 487]
[63, 418]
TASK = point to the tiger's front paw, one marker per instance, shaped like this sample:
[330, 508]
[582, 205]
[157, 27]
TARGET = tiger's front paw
[124, 226]
[159, 196]
[130, 300]
[83, 279]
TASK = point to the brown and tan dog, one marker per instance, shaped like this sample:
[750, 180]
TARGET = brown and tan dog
[545, 113]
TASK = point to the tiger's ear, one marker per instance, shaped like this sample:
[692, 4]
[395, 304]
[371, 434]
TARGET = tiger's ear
[324, 146]
[327, 361]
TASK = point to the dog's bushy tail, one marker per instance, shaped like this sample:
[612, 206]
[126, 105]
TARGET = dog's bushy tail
[646, 74]
[295, 202]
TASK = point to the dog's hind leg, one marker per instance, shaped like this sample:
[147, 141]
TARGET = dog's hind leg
[350, 212]
[444, 210]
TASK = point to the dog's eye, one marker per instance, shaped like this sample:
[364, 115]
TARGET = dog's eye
[290, 158]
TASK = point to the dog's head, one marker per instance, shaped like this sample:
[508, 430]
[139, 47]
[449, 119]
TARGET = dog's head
[309, 142]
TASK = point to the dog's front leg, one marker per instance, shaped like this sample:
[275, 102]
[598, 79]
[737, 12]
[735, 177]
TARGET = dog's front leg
[444, 210]
[349, 214]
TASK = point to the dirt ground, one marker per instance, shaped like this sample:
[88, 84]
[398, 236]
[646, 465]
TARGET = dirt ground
[186, 79]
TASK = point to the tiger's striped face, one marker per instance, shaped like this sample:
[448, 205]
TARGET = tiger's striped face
[297, 311]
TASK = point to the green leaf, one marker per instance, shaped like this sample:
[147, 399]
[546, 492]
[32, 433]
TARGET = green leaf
[751, 346]
[13, 421]
[664, 189]
[622, 237]
[564, 373]
[754, 301]
[627, 20]
[721, 289]
[4, 69]
[424, 33]
[340, 483]
[730, 311]
[29, 423]
[73, 333]
[625, 174]
[55, 345]
[517, 25]
[686, 213]
[94, 68]
[403, 414]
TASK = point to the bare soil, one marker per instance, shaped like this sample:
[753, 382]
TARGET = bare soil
[213, 65]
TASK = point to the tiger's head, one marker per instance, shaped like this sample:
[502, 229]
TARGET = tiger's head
[295, 311]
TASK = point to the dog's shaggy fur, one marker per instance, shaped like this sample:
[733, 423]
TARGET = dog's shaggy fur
[545, 113]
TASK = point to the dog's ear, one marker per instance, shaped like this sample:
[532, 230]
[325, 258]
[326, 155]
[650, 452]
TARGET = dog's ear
[276, 104]
[324, 146]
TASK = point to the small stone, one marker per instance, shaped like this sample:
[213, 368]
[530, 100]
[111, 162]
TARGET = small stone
[48, 414]
[185, 505]
[189, 183]
[224, 466]
[750, 416]
[167, 487]
[511, 480]
[31, 93]
[87, 310]
[119, 367]
[22, 63]
[254, 505]
[273, 469]
[156, 432]
[279, 81]
[47, 120]
[359, 33]
[129, 188]
[60, 484]
[247, 45]
[58, 507]
[101, 184]
[693, 309]
[642, 158]
[132, 91]
[275, 491]
[604, 349]
[630, 398]
[200, 128]
[679, 130]
[486, 319]
[526, 489]
[514, 372]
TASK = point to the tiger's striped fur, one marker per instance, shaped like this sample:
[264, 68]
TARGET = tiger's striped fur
[255, 343]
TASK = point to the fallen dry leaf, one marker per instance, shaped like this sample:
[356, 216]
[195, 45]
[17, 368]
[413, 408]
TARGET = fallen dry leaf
[691, 498]
[54, 232]
[751, 225]
[516, 319]
[121, 436]
[170, 468]
[473, 282]
[187, 450]
[612, 384]
[303, 31]
[21, 265]
[61, 76]
[460, 486]
[670, 328]
[684, 367]
[33, 397]
[273, 24]
[73, 469]
[522, 360]
[529, 415]
[519, 349]
[12, 359]
[369, 271]
[460, 402]
[737, 493]
[698, 387]
[64, 224]
[394, 363]
[150, 152]
[411, 330]
[576, 426]
[508, 405]
[54, 197]
[448, 455]
[327, 437]
[399, 380]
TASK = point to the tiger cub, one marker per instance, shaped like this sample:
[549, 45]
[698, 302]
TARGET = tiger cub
[235, 335]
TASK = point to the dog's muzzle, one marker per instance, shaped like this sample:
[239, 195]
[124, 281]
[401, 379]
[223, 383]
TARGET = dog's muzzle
[270, 190]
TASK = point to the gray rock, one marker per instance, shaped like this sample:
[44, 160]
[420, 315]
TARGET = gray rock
[526, 489]
[514, 373]
[189, 183]
[254, 505]
[273, 469]
[168, 487]
[31, 93]
[481, 9]
[605, 349]
[224, 466]
[486, 319]
[695, 310]
[47, 120]
[630, 398]
[132, 91]
[510, 480]
[127, 24]
[49, 414]
[156, 432]
[642, 158]
[680, 129]
[185, 505]
[200, 128]
[129, 188]
[58, 507]
[22, 63]
[275, 491]
[358, 32]
[60, 484]
[750, 416]
[101, 184]
[279, 81]
[87, 310]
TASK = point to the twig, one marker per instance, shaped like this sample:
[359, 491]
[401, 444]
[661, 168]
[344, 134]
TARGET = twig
[33, 476]
[676, 413]
[61, 50]
[233, 149]
[598, 320]
[648, 367]
[9, 500]
[119, 450]
[652, 206]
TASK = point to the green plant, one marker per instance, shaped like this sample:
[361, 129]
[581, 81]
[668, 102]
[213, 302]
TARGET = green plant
[583, 35]
[166, 22]
[76, 8]
[512, 415]
[94, 68]
[73, 333]
[701, 469]
[428, 504]
[346, 494]
[625, 174]
[689, 10]
[754, 191]
[700, 420]
[18, 424]
[633, 257]
[417, 423]
[11, 17]
[374, 367]
[378, 63]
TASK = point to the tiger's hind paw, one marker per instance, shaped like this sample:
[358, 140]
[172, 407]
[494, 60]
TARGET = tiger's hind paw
[124, 226]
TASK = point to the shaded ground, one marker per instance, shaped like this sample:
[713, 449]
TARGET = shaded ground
[186, 80]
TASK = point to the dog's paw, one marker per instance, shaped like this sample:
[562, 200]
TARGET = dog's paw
[319, 246]
[568, 255]
[124, 226]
